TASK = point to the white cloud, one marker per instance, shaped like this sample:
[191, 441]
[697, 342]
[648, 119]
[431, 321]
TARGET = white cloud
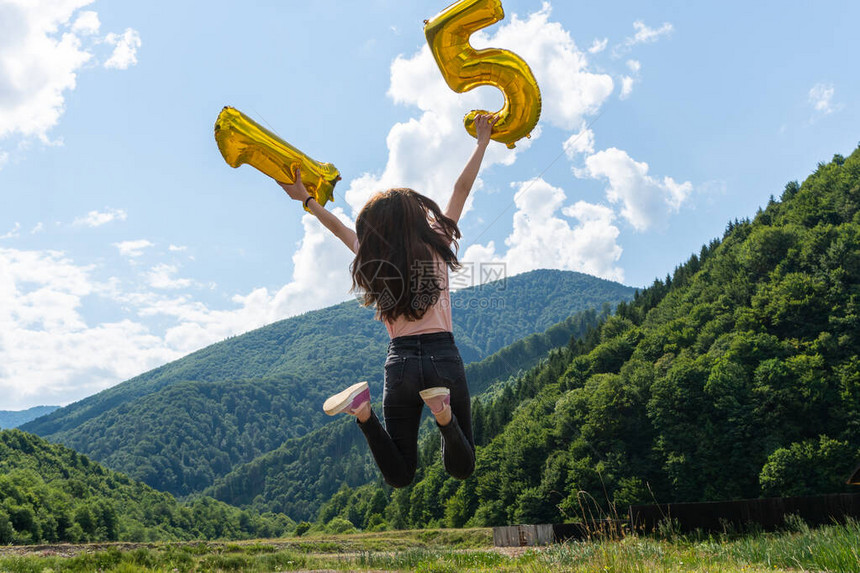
[626, 87]
[40, 64]
[320, 270]
[4, 158]
[320, 279]
[645, 201]
[627, 81]
[161, 277]
[15, 231]
[133, 248]
[542, 239]
[821, 98]
[87, 23]
[643, 35]
[589, 212]
[176, 248]
[598, 45]
[44, 44]
[47, 350]
[99, 218]
[38, 228]
[580, 142]
[125, 49]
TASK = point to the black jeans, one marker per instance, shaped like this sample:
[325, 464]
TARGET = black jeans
[413, 364]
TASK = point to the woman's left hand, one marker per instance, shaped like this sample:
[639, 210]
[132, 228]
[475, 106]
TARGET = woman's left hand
[484, 127]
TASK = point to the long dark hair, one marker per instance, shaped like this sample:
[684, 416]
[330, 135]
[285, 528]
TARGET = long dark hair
[397, 250]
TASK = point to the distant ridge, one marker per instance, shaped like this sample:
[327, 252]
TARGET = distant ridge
[14, 418]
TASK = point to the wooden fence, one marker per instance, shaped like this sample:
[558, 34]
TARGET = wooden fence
[719, 516]
[766, 513]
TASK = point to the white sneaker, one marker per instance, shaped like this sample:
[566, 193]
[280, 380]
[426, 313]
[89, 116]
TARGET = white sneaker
[349, 400]
[436, 398]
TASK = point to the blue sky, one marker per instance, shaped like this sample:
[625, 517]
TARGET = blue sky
[127, 242]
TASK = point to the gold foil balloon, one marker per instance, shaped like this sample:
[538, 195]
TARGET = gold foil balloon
[242, 140]
[465, 68]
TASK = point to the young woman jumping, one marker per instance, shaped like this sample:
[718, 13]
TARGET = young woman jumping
[403, 251]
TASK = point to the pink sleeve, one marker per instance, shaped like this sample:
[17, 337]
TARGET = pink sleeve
[355, 246]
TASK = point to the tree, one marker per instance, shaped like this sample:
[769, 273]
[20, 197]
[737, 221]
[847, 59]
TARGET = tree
[809, 467]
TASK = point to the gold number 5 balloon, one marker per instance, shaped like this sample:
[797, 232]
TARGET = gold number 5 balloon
[465, 68]
[242, 140]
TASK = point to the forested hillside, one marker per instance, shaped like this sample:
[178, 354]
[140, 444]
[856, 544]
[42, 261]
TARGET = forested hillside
[49, 493]
[738, 376]
[304, 472]
[179, 427]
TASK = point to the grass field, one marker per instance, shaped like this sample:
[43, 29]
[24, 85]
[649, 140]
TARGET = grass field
[832, 548]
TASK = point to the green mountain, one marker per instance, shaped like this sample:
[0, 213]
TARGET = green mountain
[299, 476]
[181, 426]
[49, 493]
[738, 376]
[14, 418]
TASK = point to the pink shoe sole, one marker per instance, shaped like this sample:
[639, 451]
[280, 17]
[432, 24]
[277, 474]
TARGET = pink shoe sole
[347, 400]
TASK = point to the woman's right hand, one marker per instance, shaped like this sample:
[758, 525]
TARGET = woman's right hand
[296, 190]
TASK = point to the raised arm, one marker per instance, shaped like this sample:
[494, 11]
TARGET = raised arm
[298, 192]
[484, 127]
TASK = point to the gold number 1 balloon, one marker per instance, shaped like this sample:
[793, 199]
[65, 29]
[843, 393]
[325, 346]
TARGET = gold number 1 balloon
[465, 68]
[242, 140]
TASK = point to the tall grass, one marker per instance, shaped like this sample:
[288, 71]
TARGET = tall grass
[835, 548]
[832, 549]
